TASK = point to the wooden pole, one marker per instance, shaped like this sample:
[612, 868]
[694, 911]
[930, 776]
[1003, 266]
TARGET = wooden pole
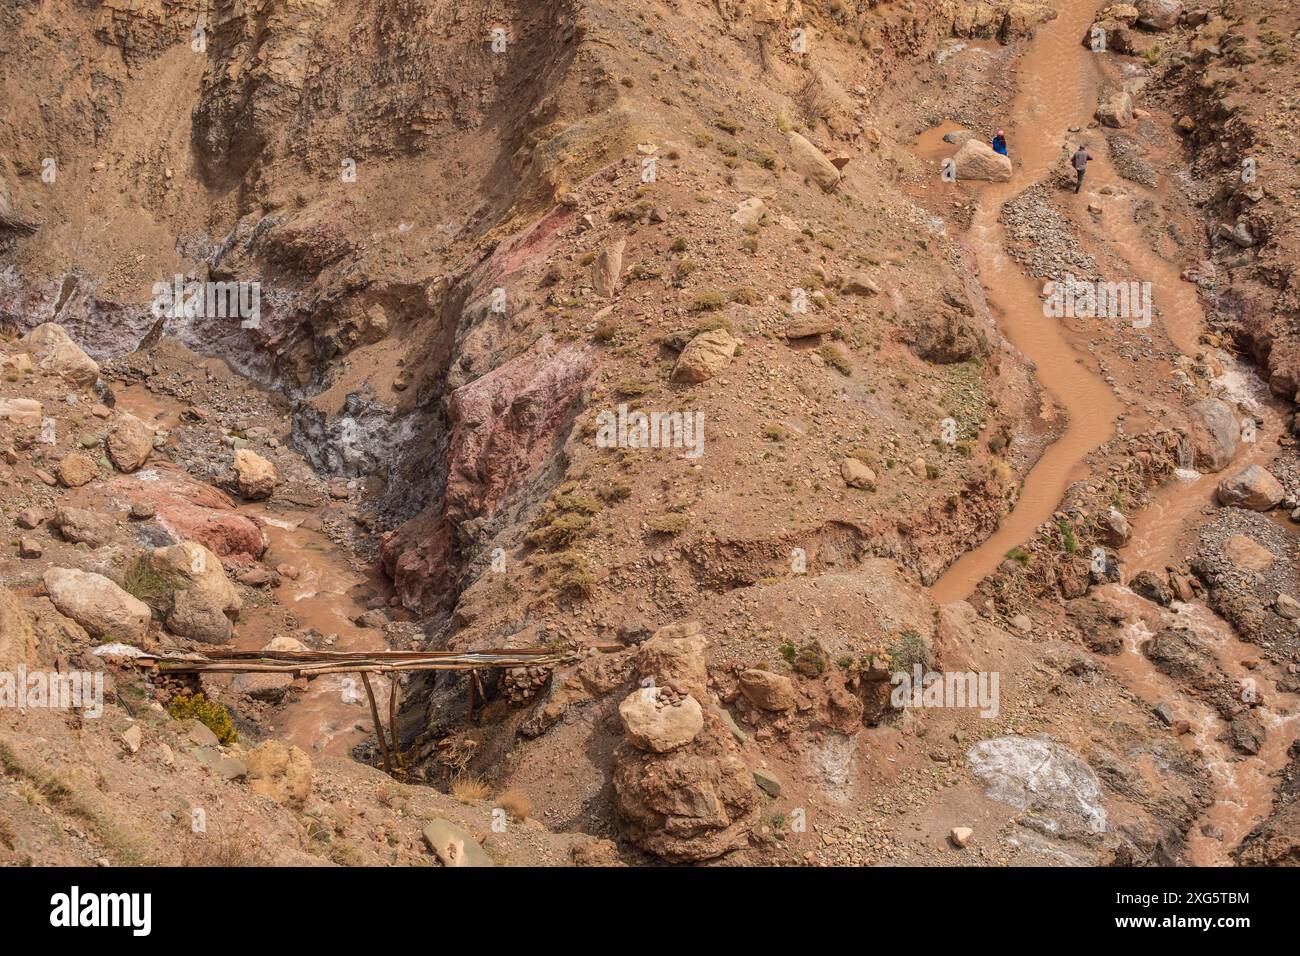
[478, 686]
[392, 717]
[469, 687]
[379, 728]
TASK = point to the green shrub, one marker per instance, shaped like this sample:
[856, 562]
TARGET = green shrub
[207, 712]
[146, 583]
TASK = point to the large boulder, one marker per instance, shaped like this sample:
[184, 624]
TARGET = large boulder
[1125, 13]
[54, 353]
[23, 411]
[1116, 110]
[1022, 17]
[607, 268]
[809, 324]
[657, 721]
[75, 469]
[857, 474]
[255, 477]
[1214, 434]
[454, 845]
[812, 162]
[194, 615]
[81, 526]
[129, 442]
[1004, 20]
[192, 510]
[749, 212]
[279, 771]
[1159, 14]
[977, 160]
[674, 657]
[705, 356]
[694, 803]
[97, 604]
[945, 336]
[1113, 529]
[1119, 38]
[1253, 488]
[191, 566]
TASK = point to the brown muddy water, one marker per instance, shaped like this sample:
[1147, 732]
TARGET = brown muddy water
[1243, 785]
[1058, 90]
[327, 591]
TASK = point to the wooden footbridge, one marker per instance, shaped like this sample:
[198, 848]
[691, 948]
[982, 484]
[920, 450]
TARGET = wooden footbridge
[308, 663]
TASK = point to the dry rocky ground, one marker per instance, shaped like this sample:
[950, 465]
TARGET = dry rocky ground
[472, 245]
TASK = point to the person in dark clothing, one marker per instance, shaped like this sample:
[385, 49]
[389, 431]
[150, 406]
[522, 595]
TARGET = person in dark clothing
[1080, 162]
[1000, 143]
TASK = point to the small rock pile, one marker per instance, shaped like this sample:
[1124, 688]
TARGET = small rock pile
[522, 684]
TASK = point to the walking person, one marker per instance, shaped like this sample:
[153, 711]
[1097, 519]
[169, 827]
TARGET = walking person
[1000, 144]
[1080, 162]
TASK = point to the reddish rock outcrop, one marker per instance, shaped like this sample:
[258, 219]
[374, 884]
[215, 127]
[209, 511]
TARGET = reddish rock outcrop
[504, 426]
[192, 511]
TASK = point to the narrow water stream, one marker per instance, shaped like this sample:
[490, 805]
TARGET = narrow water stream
[1058, 90]
[326, 594]
[323, 592]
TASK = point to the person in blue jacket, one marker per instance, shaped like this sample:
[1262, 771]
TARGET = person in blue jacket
[1000, 144]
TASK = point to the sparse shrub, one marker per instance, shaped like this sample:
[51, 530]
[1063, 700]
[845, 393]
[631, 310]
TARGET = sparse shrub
[835, 359]
[811, 660]
[668, 524]
[708, 300]
[606, 331]
[713, 322]
[145, 583]
[632, 388]
[614, 491]
[910, 649]
[516, 804]
[1068, 541]
[643, 271]
[468, 789]
[557, 531]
